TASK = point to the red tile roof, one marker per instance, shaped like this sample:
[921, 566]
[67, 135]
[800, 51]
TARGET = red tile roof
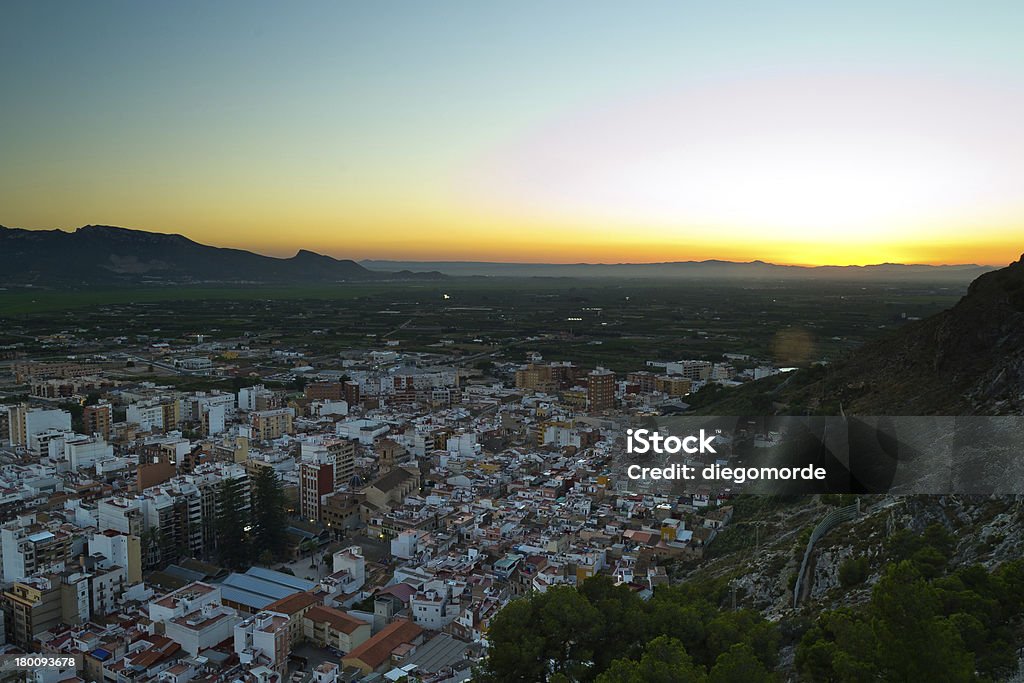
[339, 621]
[377, 650]
[292, 604]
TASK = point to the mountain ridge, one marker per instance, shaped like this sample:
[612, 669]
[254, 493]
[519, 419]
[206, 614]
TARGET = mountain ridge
[114, 256]
[709, 268]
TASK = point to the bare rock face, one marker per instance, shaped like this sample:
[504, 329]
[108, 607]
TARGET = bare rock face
[826, 569]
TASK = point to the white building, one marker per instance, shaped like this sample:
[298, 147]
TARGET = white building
[434, 607]
[463, 445]
[364, 431]
[202, 628]
[406, 545]
[326, 672]
[561, 436]
[85, 451]
[25, 422]
[185, 600]
[120, 550]
[263, 640]
[118, 513]
[50, 443]
[148, 415]
[352, 564]
[197, 404]
[195, 364]
[214, 419]
[106, 589]
[329, 408]
[247, 396]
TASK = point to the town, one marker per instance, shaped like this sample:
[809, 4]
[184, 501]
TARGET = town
[464, 342]
[417, 492]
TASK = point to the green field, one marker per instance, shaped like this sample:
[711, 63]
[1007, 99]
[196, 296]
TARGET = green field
[616, 323]
[14, 303]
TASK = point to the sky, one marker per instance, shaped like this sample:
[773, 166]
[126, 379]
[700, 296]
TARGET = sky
[794, 132]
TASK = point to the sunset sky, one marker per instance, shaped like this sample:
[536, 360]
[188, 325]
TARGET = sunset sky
[792, 132]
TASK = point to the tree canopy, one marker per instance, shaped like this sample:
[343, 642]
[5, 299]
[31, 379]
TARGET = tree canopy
[607, 633]
[957, 627]
[234, 549]
[269, 519]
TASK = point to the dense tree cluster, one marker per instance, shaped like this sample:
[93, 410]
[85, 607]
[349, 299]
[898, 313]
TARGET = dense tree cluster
[957, 627]
[254, 529]
[608, 634]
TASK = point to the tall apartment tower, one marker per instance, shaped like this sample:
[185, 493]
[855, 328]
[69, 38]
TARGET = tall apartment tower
[97, 419]
[601, 389]
[324, 468]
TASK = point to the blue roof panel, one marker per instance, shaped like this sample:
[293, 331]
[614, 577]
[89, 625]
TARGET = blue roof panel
[281, 578]
[243, 597]
[244, 582]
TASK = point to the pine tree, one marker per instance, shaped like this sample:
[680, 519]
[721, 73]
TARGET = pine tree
[234, 549]
[270, 524]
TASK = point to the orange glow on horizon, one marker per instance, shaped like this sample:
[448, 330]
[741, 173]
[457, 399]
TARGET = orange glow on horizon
[434, 233]
[527, 246]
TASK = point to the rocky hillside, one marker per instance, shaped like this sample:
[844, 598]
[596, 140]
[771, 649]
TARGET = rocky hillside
[762, 550]
[968, 360]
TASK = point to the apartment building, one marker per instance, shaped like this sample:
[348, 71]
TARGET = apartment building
[114, 548]
[690, 369]
[546, 377]
[257, 397]
[272, 424]
[83, 452]
[31, 606]
[326, 465]
[673, 385]
[642, 381]
[600, 389]
[29, 548]
[325, 391]
[28, 371]
[26, 424]
[155, 414]
[96, 419]
[330, 627]
[263, 640]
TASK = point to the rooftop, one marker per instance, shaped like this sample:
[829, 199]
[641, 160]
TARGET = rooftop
[376, 651]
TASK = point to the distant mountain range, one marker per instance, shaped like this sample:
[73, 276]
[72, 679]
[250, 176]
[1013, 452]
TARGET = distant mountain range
[100, 255]
[713, 269]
